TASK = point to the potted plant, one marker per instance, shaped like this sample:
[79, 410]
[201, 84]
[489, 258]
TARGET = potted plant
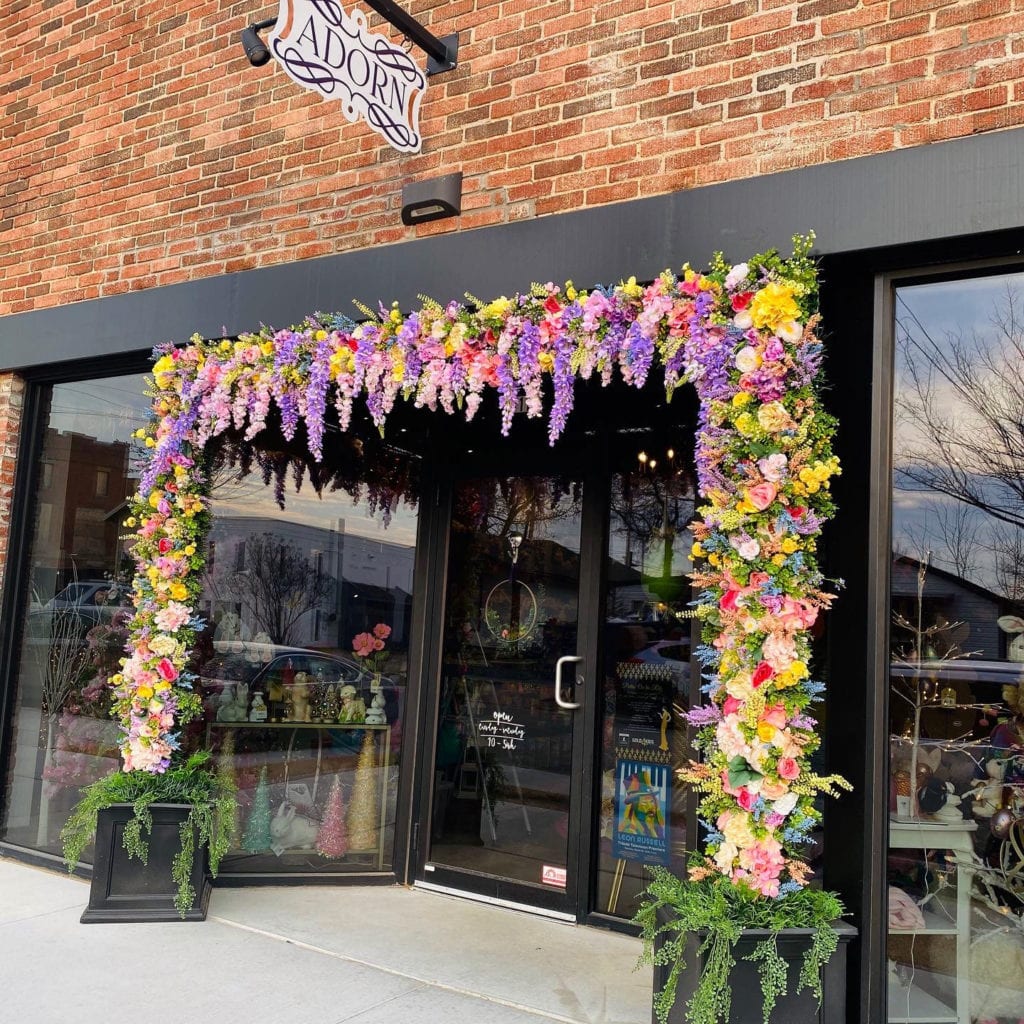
[764, 462]
[164, 817]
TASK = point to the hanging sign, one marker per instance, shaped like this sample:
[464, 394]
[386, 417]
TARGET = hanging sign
[326, 49]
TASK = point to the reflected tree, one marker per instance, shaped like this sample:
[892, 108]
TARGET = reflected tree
[279, 585]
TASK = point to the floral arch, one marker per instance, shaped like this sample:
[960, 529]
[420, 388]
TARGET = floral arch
[743, 335]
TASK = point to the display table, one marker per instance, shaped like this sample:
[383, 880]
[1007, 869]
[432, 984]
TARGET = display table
[916, 1004]
[382, 762]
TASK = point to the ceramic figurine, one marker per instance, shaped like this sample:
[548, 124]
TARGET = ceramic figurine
[988, 792]
[234, 704]
[300, 697]
[258, 711]
[353, 708]
[290, 830]
[376, 715]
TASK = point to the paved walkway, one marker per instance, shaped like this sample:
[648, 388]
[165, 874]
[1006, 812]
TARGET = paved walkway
[307, 955]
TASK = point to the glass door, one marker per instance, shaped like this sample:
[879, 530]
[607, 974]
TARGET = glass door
[511, 689]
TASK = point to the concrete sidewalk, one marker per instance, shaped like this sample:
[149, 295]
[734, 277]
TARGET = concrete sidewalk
[313, 955]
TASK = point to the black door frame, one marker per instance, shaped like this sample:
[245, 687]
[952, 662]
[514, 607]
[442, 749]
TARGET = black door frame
[589, 465]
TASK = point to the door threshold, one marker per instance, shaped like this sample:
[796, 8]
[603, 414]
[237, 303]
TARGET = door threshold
[493, 901]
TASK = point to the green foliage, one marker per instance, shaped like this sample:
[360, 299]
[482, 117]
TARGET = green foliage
[721, 912]
[210, 795]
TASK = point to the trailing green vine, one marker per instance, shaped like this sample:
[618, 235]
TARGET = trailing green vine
[210, 822]
[721, 913]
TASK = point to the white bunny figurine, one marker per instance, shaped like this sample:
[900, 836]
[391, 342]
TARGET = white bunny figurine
[289, 830]
[376, 715]
[1014, 625]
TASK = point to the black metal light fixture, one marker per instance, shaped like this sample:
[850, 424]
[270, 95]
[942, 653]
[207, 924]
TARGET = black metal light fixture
[255, 49]
[432, 199]
[442, 54]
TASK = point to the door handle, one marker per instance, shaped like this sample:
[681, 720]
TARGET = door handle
[570, 705]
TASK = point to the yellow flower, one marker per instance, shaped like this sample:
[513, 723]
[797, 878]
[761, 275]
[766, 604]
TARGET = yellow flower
[267, 348]
[631, 289]
[190, 549]
[789, 545]
[740, 399]
[144, 692]
[570, 291]
[778, 559]
[774, 304]
[161, 684]
[150, 442]
[398, 370]
[179, 591]
[798, 669]
[714, 558]
[546, 361]
[225, 346]
[697, 551]
[765, 731]
[497, 309]
[320, 335]
[773, 417]
[155, 497]
[395, 314]
[746, 424]
[783, 680]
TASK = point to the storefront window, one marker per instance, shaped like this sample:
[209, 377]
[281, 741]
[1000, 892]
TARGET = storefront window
[304, 662]
[78, 602]
[302, 666]
[956, 700]
[647, 649]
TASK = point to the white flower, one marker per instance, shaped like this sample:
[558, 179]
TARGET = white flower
[736, 277]
[773, 468]
[785, 804]
[746, 547]
[790, 331]
[743, 320]
[747, 360]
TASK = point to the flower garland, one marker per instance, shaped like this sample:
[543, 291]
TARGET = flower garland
[743, 335]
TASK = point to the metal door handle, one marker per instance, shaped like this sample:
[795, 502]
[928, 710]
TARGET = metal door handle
[570, 705]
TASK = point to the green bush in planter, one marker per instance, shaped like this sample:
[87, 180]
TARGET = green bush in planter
[673, 908]
[192, 781]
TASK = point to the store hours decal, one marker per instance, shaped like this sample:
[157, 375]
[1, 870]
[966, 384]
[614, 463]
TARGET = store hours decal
[502, 731]
[324, 48]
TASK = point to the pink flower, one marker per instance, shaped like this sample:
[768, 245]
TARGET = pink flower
[382, 631]
[378, 645]
[173, 617]
[761, 495]
[775, 715]
[731, 706]
[788, 768]
[165, 545]
[762, 673]
[362, 644]
[746, 799]
[165, 667]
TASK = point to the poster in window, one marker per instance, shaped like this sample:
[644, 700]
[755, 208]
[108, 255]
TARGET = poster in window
[642, 799]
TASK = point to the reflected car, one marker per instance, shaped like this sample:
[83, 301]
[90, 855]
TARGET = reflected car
[263, 667]
[674, 655]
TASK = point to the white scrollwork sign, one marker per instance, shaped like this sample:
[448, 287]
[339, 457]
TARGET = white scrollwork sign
[323, 48]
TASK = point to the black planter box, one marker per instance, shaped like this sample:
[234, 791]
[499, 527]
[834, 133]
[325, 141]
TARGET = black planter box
[126, 890]
[746, 984]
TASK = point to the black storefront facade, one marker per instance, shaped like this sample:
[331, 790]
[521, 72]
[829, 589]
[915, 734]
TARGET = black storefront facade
[930, 217]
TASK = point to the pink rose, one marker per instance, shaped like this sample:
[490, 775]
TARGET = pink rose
[731, 706]
[762, 673]
[775, 715]
[788, 768]
[761, 495]
[746, 799]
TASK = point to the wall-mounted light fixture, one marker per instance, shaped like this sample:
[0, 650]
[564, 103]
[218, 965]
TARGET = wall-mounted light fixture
[255, 49]
[442, 54]
[423, 201]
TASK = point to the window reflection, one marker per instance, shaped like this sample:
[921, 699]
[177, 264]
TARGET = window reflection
[956, 795]
[80, 573]
[647, 650]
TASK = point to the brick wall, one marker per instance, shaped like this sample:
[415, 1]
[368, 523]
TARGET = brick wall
[141, 149]
[11, 392]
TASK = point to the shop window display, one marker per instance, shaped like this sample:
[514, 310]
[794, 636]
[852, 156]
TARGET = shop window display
[77, 605]
[303, 663]
[956, 682]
